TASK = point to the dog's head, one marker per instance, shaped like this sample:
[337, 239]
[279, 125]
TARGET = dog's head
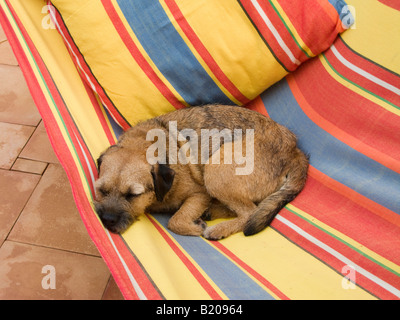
[127, 185]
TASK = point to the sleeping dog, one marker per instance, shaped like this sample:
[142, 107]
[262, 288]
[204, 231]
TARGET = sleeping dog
[190, 163]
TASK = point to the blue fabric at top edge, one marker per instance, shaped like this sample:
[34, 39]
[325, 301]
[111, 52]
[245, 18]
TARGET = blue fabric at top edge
[344, 12]
[170, 53]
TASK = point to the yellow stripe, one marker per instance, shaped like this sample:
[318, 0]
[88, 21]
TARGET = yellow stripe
[356, 89]
[103, 111]
[210, 223]
[146, 56]
[376, 33]
[238, 49]
[296, 273]
[162, 264]
[196, 54]
[126, 84]
[65, 76]
[364, 250]
[292, 28]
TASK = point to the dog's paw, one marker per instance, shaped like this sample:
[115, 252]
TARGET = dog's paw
[194, 228]
[207, 216]
[214, 233]
[201, 223]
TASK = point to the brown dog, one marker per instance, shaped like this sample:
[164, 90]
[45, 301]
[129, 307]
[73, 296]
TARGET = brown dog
[181, 172]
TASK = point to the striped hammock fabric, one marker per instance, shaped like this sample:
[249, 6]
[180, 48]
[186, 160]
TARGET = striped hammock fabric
[144, 58]
[339, 239]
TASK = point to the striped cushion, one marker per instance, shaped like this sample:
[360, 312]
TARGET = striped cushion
[145, 57]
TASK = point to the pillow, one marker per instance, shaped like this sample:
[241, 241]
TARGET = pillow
[144, 58]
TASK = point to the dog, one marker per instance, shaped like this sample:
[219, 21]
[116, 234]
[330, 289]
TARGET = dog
[141, 175]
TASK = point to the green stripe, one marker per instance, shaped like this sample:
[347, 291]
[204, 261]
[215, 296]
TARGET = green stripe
[288, 29]
[344, 242]
[262, 37]
[49, 92]
[358, 86]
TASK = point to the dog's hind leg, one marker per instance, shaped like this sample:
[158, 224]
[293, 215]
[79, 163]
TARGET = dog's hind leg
[217, 211]
[226, 228]
[186, 221]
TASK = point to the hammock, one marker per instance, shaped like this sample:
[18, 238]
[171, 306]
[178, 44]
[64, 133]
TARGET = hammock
[339, 239]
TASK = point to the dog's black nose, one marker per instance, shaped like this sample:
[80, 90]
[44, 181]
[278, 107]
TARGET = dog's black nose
[110, 219]
[114, 219]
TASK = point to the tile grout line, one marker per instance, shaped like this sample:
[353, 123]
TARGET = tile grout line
[58, 249]
[25, 144]
[31, 194]
[23, 208]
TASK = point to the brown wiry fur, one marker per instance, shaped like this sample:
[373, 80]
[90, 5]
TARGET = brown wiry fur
[129, 186]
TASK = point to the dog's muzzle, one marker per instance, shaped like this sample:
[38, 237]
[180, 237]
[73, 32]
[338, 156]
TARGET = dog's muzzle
[114, 217]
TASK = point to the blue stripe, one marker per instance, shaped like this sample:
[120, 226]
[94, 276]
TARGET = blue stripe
[114, 126]
[225, 274]
[330, 155]
[344, 12]
[338, 5]
[169, 52]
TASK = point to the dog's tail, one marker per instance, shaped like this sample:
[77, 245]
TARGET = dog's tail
[270, 206]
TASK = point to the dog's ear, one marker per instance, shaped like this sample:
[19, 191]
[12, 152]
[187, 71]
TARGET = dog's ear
[100, 159]
[163, 177]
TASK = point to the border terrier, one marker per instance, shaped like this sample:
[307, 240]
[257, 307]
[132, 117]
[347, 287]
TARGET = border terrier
[149, 171]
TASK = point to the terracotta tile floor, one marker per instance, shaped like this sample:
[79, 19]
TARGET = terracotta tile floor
[39, 223]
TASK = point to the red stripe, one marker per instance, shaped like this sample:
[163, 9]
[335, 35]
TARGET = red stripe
[359, 223]
[257, 105]
[339, 189]
[347, 110]
[351, 195]
[143, 280]
[365, 221]
[283, 31]
[99, 112]
[367, 65]
[331, 128]
[250, 270]
[204, 53]
[362, 81]
[189, 265]
[136, 54]
[330, 260]
[267, 35]
[392, 4]
[345, 250]
[73, 132]
[89, 218]
[75, 54]
[315, 22]
[70, 127]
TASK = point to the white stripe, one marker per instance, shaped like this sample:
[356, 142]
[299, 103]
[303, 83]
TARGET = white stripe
[341, 257]
[87, 161]
[274, 32]
[53, 16]
[52, 13]
[135, 285]
[364, 73]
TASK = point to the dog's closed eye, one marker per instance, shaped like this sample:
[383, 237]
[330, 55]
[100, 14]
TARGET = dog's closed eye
[103, 191]
[130, 196]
